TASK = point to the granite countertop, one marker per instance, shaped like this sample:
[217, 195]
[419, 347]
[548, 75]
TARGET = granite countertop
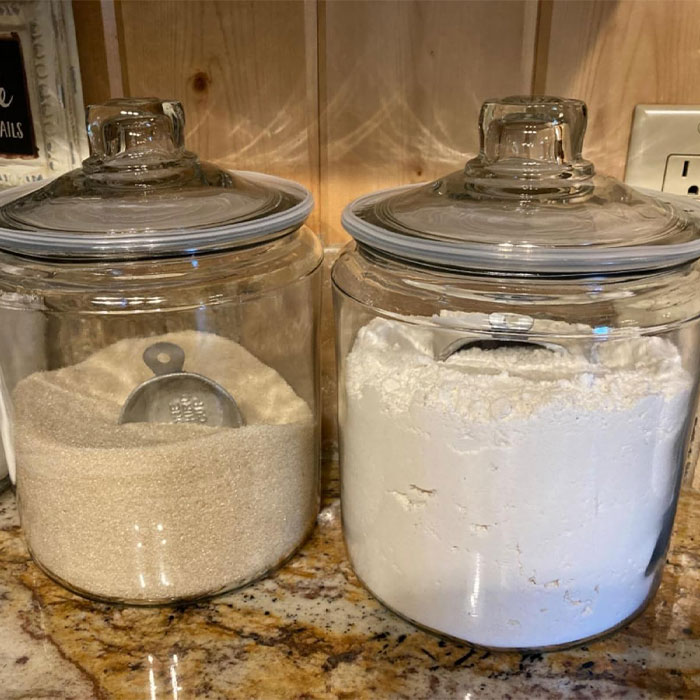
[311, 631]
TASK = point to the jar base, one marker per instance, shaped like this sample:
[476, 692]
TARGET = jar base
[523, 649]
[167, 602]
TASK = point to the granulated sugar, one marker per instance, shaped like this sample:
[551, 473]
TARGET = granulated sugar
[152, 512]
[512, 497]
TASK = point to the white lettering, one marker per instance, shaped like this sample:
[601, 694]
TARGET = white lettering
[5, 99]
[11, 130]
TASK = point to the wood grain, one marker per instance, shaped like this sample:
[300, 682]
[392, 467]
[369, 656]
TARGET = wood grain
[401, 84]
[244, 71]
[615, 55]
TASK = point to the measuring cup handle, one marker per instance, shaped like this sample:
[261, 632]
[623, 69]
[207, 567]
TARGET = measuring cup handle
[164, 358]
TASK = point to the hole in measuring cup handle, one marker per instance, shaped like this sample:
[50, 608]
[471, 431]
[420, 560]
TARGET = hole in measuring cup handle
[164, 358]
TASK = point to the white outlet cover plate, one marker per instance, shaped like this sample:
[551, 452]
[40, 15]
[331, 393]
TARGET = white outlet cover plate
[659, 131]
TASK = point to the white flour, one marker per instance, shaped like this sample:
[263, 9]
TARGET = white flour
[158, 512]
[511, 497]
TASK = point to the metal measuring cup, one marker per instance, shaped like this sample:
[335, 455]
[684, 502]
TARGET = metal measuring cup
[175, 396]
[509, 330]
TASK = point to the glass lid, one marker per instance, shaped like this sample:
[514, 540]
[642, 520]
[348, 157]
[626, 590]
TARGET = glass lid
[527, 203]
[141, 194]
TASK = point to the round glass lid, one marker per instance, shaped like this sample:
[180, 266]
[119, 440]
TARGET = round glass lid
[140, 193]
[527, 203]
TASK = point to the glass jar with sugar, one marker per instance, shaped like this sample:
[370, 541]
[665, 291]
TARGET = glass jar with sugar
[518, 359]
[161, 377]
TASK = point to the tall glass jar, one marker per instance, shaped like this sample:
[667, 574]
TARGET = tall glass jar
[161, 377]
[518, 365]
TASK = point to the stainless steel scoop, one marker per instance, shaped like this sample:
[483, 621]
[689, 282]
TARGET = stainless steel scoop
[443, 353]
[510, 330]
[175, 396]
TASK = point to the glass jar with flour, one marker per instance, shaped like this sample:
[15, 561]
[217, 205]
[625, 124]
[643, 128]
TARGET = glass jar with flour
[518, 359]
[160, 378]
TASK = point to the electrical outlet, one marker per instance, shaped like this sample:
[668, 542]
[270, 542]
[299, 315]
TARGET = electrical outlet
[664, 138]
[682, 175]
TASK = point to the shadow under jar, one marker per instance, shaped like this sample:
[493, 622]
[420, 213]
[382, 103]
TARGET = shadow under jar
[518, 365]
[148, 489]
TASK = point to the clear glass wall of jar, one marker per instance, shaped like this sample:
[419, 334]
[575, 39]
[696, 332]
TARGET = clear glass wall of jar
[519, 493]
[146, 486]
[511, 440]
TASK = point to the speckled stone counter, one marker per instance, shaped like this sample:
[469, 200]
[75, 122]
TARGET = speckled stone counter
[311, 631]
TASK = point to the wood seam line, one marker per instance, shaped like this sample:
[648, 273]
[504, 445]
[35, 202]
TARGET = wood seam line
[322, 116]
[312, 62]
[545, 10]
[113, 40]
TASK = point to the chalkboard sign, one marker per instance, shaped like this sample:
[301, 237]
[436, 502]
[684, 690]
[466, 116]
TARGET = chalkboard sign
[17, 138]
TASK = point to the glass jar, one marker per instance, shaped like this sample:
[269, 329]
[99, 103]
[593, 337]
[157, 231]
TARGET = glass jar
[518, 365]
[162, 371]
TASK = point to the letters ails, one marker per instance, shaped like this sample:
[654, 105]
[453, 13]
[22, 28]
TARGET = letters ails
[9, 129]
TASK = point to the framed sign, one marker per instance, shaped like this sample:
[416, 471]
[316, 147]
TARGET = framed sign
[41, 103]
[17, 138]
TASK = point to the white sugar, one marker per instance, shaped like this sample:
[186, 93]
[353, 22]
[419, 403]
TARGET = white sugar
[153, 512]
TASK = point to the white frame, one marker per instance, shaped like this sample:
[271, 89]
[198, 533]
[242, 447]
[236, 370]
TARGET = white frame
[50, 51]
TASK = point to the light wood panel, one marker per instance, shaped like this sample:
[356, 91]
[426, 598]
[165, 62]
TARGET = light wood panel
[244, 71]
[90, 36]
[615, 55]
[401, 84]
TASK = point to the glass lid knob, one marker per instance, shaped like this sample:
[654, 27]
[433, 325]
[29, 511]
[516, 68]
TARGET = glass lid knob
[125, 130]
[531, 137]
